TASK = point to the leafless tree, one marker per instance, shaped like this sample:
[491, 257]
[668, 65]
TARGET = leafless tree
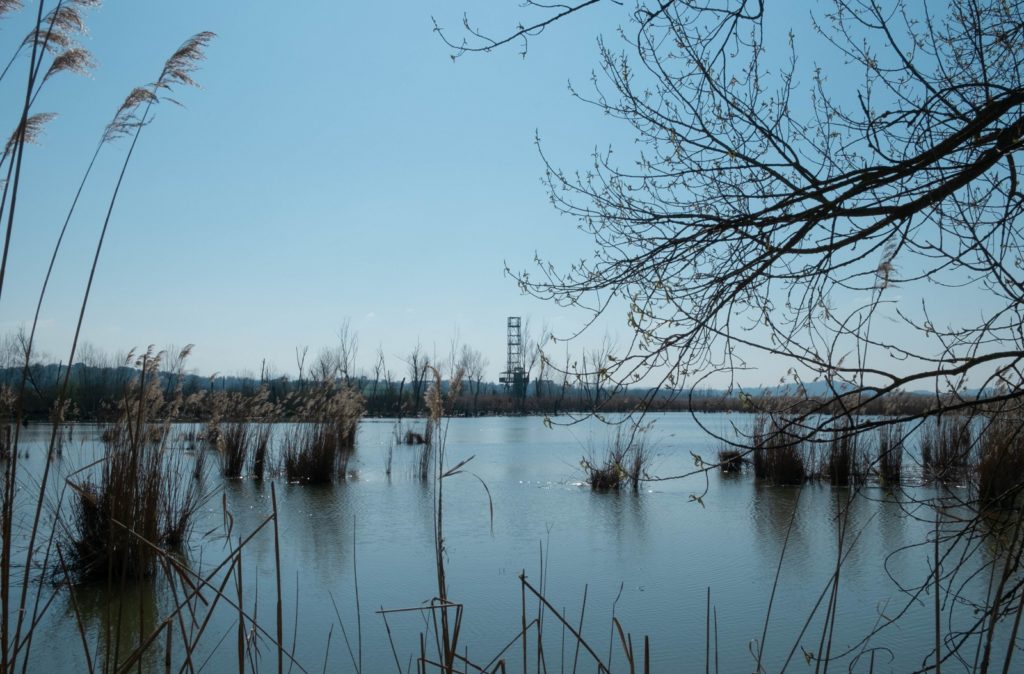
[419, 364]
[347, 350]
[773, 213]
[841, 197]
[533, 352]
[301, 352]
[474, 366]
[773, 216]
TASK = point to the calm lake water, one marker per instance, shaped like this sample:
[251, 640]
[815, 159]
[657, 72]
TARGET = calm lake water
[651, 558]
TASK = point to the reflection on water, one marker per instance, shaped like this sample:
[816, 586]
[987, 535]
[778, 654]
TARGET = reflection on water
[774, 510]
[664, 550]
[114, 629]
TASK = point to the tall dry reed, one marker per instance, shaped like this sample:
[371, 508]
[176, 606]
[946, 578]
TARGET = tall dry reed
[317, 450]
[234, 441]
[119, 506]
[143, 499]
[777, 452]
[845, 463]
[260, 451]
[624, 463]
[946, 446]
[890, 455]
[1000, 475]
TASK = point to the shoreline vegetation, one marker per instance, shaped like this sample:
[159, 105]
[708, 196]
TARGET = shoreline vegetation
[236, 416]
[94, 392]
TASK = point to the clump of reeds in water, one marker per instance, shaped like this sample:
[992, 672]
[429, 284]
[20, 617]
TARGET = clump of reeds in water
[730, 460]
[235, 438]
[777, 453]
[260, 451]
[890, 455]
[624, 463]
[317, 451]
[235, 431]
[115, 512]
[844, 462]
[1000, 462]
[946, 444]
[143, 500]
[412, 437]
[605, 475]
[244, 445]
[427, 451]
[313, 454]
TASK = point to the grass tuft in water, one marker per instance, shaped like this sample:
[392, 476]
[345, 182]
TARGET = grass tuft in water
[625, 463]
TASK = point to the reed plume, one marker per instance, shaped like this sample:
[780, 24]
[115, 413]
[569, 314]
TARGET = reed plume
[7, 6]
[75, 60]
[28, 132]
[179, 67]
[58, 27]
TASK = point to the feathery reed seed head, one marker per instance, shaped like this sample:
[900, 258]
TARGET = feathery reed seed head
[177, 70]
[9, 6]
[31, 130]
[54, 34]
[75, 60]
[435, 403]
[185, 61]
[126, 119]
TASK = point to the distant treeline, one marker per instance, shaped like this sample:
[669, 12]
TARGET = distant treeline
[95, 394]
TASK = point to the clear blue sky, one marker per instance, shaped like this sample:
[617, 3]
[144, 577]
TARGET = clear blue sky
[336, 165]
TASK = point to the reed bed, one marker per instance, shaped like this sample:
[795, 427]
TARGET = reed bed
[142, 500]
[730, 461]
[244, 445]
[313, 454]
[890, 455]
[607, 474]
[1000, 474]
[235, 440]
[117, 514]
[624, 463]
[845, 463]
[317, 451]
[946, 446]
[778, 454]
[260, 451]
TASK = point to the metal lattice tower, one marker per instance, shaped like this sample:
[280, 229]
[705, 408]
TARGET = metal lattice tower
[514, 375]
